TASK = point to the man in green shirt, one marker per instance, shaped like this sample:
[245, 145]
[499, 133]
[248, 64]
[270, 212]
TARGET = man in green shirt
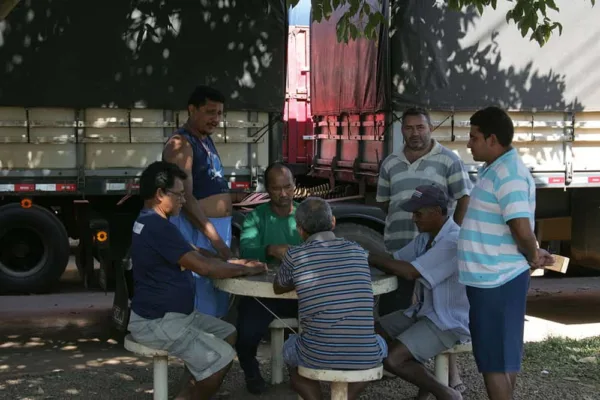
[269, 230]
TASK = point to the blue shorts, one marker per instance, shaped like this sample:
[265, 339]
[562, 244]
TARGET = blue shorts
[497, 323]
[291, 354]
[209, 300]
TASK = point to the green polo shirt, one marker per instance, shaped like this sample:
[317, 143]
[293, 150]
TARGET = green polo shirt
[262, 227]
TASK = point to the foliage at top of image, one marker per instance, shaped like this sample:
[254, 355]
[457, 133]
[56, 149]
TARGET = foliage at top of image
[362, 17]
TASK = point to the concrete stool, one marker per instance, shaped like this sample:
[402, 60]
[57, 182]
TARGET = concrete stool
[340, 379]
[442, 361]
[161, 362]
[277, 328]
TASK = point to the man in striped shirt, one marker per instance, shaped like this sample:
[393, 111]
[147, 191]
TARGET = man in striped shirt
[421, 161]
[335, 302]
[496, 249]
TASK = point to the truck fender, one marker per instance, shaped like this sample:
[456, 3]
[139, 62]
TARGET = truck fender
[374, 216]
[360, 223]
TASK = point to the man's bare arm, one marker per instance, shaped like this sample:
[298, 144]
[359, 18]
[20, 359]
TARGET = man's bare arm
[217, 269]
[278, 289]
[204, 252]
[461, 209]
[521, 231]
[277, 251]
[399, 268]
[178, 151]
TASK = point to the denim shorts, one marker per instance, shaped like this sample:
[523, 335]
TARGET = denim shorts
[292, 358]
[497, 324]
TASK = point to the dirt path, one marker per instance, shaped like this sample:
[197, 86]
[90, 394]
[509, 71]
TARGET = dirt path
[36, 368]
[80, 361]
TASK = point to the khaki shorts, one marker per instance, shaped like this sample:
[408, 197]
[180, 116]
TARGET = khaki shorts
[421, 337]
[197, 339]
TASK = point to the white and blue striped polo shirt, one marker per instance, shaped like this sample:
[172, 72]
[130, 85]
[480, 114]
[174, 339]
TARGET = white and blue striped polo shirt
[487, 252]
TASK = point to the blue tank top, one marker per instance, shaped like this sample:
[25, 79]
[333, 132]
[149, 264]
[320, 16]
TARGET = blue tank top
[207, 171]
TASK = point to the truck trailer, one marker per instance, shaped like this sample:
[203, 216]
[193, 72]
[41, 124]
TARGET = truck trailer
[454, 63]
[87, 103]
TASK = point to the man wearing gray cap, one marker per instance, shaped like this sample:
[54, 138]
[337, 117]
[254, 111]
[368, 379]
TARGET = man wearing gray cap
[440, 318]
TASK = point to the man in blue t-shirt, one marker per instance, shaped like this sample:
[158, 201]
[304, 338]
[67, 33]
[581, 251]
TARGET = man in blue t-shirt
[162, 308]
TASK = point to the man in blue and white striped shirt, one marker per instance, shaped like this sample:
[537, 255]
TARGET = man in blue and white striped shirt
[496, 249]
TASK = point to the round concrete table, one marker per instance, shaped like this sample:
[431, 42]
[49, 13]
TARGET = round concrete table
[262, 285]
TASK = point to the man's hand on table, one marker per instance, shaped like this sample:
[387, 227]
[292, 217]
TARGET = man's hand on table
[254, 267]
[277, 250]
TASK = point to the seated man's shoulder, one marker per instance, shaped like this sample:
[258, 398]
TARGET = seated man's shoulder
[344, 247]
[452, 234]
[352, 245]
[149, 221]
[261, 209]
[256, 215]
[155, 230]
[258, 211]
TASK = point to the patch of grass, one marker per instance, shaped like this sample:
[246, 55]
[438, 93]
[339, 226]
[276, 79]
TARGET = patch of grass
[565, 358]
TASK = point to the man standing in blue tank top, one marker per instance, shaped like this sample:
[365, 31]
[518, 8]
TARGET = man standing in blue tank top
[206, 218]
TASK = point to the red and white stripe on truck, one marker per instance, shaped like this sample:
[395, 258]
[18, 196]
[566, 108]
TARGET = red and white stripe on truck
[72, 187]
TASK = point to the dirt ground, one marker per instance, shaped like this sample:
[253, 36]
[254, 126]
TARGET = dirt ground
[35, 369]
[55, 352]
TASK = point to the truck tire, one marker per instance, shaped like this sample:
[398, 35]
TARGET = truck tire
[368, 238]
[34, 249]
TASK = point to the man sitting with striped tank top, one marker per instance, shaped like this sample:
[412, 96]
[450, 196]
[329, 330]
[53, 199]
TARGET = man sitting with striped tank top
[335, 302]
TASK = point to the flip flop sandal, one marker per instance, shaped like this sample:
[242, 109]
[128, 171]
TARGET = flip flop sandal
[461, 388]
[388, 375]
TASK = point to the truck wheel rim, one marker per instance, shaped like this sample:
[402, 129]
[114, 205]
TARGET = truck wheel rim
[23, 252]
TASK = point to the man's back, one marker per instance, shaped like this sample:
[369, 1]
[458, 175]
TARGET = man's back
[333, 282]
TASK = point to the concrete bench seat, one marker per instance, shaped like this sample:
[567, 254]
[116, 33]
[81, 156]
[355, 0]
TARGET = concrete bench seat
[277, 328]
[340, 379]
[442, 361]
[161, 362]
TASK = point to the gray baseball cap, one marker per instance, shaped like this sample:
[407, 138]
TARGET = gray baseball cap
[426, 196]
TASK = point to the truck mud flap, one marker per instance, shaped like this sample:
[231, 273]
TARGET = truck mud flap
[84, 257]
[123, 293]
[93, 244]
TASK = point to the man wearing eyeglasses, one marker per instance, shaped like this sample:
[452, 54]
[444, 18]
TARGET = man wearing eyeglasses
[162, 307]
[206, 218]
